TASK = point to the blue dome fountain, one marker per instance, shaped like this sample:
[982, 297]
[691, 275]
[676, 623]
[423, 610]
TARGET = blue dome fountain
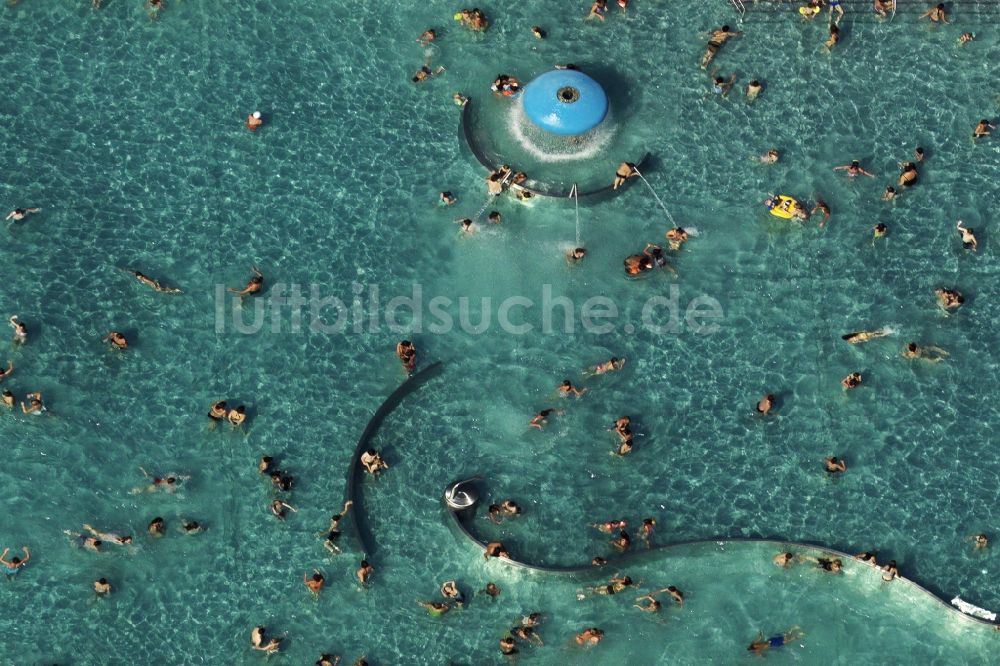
[565, 102]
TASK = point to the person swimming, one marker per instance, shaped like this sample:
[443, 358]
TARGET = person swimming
[890, 571]
[822, 207]
[450, 591]
[117, 340]
[928, 353]
[936, 14]
[868, 557]
[254, 121]
[541, 419]
[612, 365]
[854, 169]
[834, 465]
[258, 640]
[676, 238]
[908, 175]
[254, 285]
[851, 381]
[716, 39]
[110, 537]
[407, 354]
[13, 566]
[760, 645]
[576, 255]
[373, 462]
[889, 194]
[864, 336]
[278, 509]
[784, 560]
[589, 636]
[949, 299]
[753, 89]
[315, 582]
[20, 330]
[624, 171]
[153, 284]
[968, 236]
[765, 404]
[495, 549]
[19, 214]
[35, 405]
[237, 417]
[566, 389]
[637, 264]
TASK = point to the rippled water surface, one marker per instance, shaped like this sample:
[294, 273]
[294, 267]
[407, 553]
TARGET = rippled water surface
[129, 134]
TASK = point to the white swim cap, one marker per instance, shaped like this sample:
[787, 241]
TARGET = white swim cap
[256, 114]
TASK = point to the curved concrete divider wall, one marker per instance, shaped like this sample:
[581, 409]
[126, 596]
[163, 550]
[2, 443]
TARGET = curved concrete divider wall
[461, 518]
[411, 384]
[537, 189]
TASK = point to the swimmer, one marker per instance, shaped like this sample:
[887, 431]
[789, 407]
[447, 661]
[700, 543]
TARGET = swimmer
[466, 228]
[835, 5]
[90, 543]
[333, 532]
[110, 537]
[493, 514]
[154, 7]
[538, 32]
[834, 34]
[116, 339]
[254, 121]
[614, 586]
[507, 646]
[622, 426]
[621, 542]
[868, 557]
[191, 526]
[676, 238]
[567, 389]
[822, 207]
[853, 169]
[527, 634]
[218, 411]
[625, 447]
[19, 214]
[864, 336]
[979, 541]
[753, 89]
[638, 263]
[936, 14]
[715, 41]
[278, 509]
[597, 10]
[446, 198]
[965, 38]
[968, 237]
[930, 353]
[492, 590]
[598, 562]
[541, 419]
[609, 526]
[425, 73]
[879, 231]
[102, 587]
[889, 194]
[435, 608]
[811, 10]
[282, 481]
[373, 462]
[646, 530]
[257, 641]
[8, 399]
[918, 154]
[909, 175]
[364, 572]
[612, 365]
[890, 571]
[765, 404]
[315, 582]
[406, 352]
[722, 87]
[949, 299]
[34, 405]
[157, 527]
[255, 284]
[426, 37]
[494, 217]
[474, 19]
[6, 373]
[328, 660]
[576, 255]
[835, 466]
[237, 416]
[495, 549]
[589, 636]
[760, 644]
[449, 590]
[624, 171]
[510, 508]
[150, 282]
[770, 157]
[784, 560]
[827, 565]
[497, 180]
[851, 381]
[14, 565]
[655, 252]
[20, 330]
[266, 463]
[882, 8]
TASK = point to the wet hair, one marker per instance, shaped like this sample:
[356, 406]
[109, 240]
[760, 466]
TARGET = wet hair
[127, 538]
[15, 560]
[371, 452]
[983, 121]
[103, 581]
[719, 79]
[598, 562]
[365, 563]
[97, 543]
[940, 5]
[834, 29]
[157, 521]
[171, 480]
[911, 346]
[7, 392]
[241, 409]
[627, 580]
[545, 412]
[567, 382]
[855, 163]
[920, 151]
[317, 577]
[725, 28]
[754, 82]
[769, 396]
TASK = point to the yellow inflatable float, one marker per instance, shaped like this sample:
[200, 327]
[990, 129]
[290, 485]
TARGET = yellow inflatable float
[784, 207]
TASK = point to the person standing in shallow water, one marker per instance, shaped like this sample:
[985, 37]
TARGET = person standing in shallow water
[624, 171]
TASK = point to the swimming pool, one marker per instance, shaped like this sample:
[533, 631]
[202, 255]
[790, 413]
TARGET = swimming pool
[129, 134]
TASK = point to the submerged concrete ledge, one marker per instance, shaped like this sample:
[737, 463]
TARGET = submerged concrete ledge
[462, 518]
[411, 384]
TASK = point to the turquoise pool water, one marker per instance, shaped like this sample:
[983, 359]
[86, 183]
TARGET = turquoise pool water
[128, 133]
